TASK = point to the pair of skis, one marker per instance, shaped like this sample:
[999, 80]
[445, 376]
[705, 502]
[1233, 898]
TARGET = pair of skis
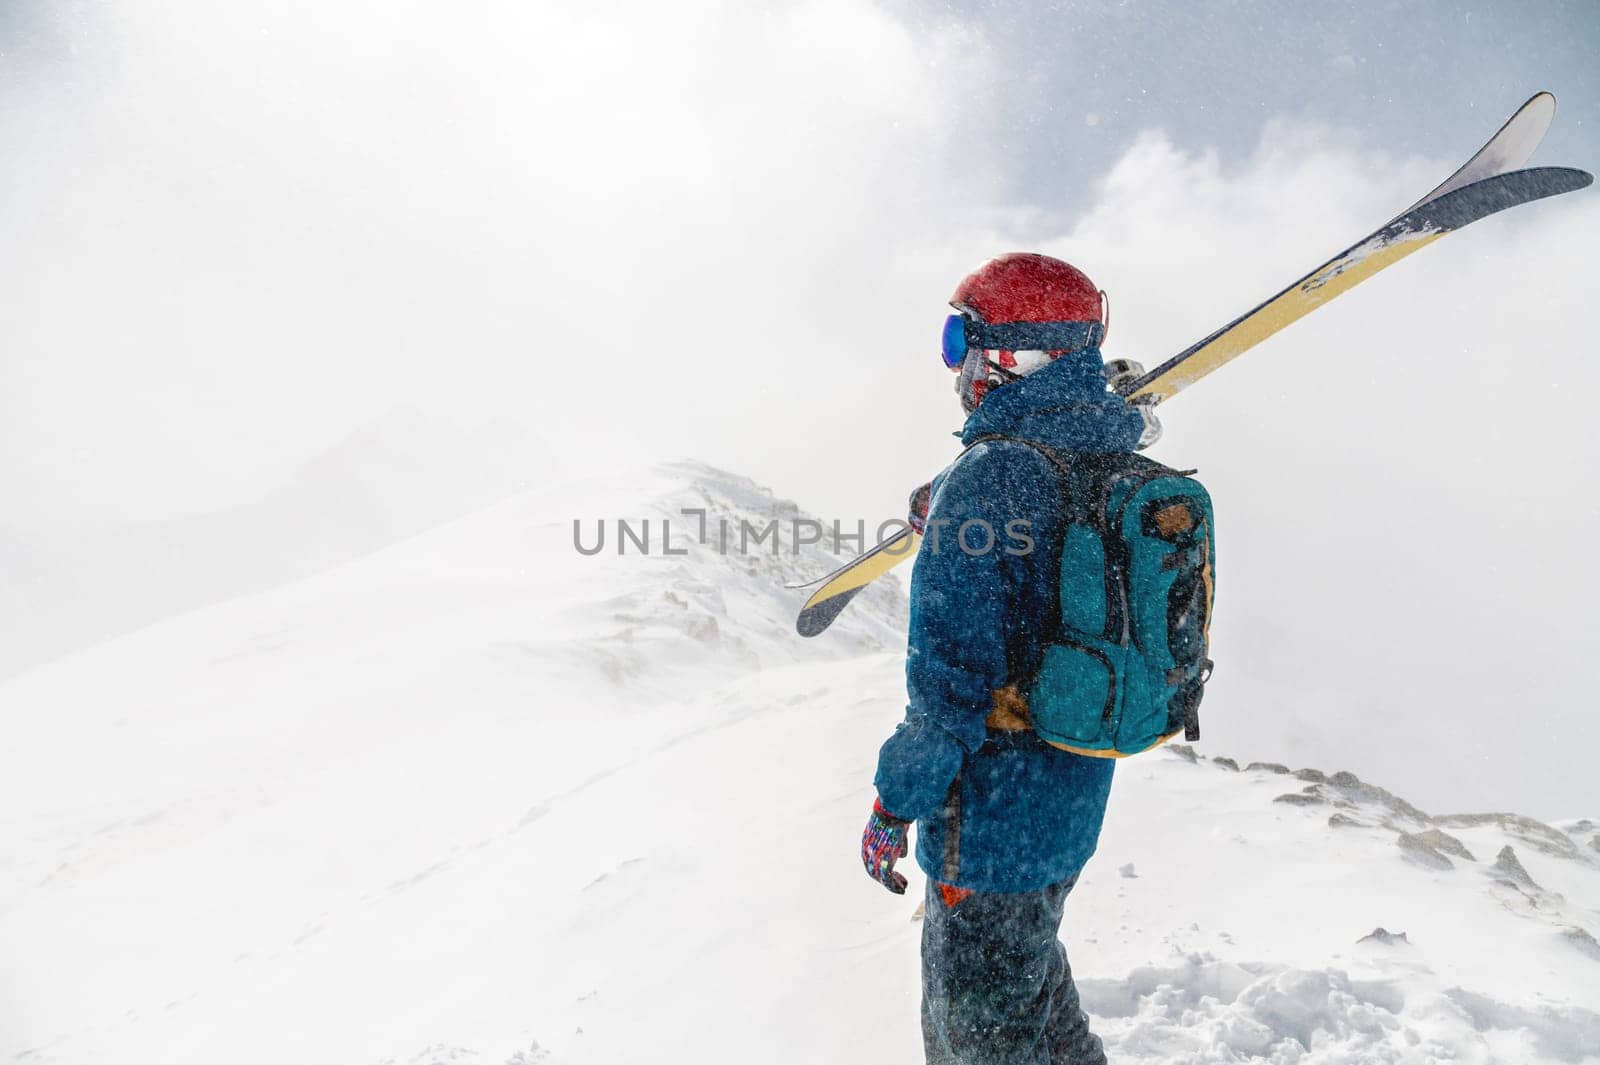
[1486, 184]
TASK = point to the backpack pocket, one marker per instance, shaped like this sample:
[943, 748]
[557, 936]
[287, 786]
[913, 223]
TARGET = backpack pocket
[1169, 545]
[1075, 697]
[1146, 719]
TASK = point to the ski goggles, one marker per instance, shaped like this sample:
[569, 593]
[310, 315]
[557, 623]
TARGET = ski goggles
[963, 334]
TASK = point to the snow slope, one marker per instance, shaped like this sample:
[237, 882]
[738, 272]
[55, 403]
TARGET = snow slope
[477, 798]
[390, 479]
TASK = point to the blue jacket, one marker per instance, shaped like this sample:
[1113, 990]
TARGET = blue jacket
[999, 811]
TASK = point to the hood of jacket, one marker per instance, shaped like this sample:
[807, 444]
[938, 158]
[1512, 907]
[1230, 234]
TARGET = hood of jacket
[1065, 405]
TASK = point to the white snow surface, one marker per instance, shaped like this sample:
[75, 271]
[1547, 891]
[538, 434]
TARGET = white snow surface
[479, 799]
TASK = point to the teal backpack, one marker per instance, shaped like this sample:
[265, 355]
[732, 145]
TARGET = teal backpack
[1128, 667]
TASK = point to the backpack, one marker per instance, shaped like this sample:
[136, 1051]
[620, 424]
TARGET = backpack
[1127, 668]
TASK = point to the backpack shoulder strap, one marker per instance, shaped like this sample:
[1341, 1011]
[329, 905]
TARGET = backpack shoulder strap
[1064, 464]
[1055, 457]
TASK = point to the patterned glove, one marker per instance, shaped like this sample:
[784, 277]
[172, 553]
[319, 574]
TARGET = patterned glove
[882, 843]
[917, 506]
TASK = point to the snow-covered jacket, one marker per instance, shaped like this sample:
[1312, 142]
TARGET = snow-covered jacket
[999, 810]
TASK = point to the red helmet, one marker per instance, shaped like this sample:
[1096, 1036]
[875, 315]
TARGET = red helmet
[1020, 287]
[1027, 287]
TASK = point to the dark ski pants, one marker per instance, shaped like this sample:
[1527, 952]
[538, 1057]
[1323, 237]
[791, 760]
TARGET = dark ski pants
[996, 987]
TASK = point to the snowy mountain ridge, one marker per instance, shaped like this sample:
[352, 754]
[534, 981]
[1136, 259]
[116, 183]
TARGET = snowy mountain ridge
[479, 798]
[739, 548]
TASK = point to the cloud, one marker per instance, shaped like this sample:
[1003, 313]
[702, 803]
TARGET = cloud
[244, 230]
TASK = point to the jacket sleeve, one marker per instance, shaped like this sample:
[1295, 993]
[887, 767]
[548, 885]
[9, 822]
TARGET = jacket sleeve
[963, 604]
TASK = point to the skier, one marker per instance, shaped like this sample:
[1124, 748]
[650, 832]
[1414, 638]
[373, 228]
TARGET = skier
[1005, 821]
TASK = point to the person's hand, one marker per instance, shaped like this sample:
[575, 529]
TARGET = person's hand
[917, 507]
[882, 844]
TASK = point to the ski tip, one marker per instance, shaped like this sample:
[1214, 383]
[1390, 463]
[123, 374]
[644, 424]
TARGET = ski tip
[1545, 103]
[1463, 206]
[1542, 103]
[815, 618]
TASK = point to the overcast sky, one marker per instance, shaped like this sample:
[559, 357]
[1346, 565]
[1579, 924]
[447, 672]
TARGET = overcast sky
[234, 232]
[1423, 76]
